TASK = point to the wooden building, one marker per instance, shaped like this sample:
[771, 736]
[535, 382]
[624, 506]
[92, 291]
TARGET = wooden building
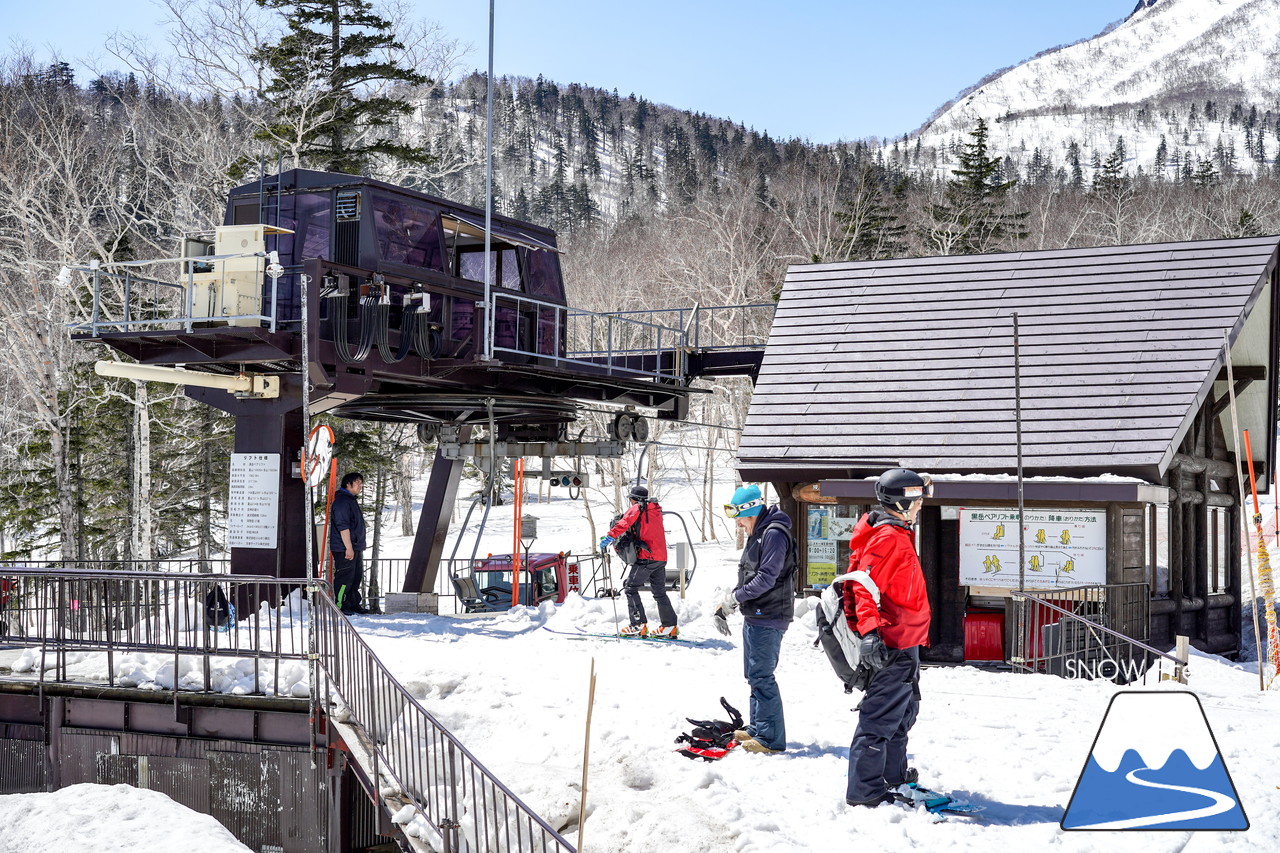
[1128, 449]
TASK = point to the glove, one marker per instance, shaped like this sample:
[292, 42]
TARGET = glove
[721, 616]
[729, 604]
[722, 621]
[873, 654]
[605, 542]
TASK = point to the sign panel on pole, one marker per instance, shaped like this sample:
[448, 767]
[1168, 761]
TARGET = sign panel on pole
[253, 504]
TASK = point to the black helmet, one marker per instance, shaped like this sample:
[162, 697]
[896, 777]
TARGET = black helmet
[639, 493]
[899, 488]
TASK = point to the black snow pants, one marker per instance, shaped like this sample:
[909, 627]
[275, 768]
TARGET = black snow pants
[652, 573]
[878, 754]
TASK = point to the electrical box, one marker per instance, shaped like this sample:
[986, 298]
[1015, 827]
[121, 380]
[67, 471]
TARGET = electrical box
[233, 285]
[566, 478]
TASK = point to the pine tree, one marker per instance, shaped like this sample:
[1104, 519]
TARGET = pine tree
[875, 231]
[972, 217]
[322, 72]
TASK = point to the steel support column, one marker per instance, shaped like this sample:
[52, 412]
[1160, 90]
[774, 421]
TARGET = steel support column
[433, 524]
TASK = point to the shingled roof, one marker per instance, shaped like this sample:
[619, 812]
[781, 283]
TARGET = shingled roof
[910, 362]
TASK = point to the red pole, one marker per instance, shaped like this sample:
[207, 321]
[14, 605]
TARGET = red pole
[518, 503]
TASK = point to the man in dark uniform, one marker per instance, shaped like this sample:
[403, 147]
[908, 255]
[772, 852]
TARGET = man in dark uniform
[889, 609]
[346, 543]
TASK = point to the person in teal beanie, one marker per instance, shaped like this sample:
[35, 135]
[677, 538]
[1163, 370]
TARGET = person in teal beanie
[766, 594]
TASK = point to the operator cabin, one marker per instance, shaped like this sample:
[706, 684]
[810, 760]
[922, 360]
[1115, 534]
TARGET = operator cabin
[1128, 450]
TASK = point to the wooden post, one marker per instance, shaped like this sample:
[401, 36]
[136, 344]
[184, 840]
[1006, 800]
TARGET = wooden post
[1180, 651]
[586, 754]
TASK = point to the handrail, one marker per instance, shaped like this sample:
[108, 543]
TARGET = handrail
[1089, 622]
[415, 760]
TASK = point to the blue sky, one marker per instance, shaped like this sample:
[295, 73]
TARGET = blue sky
[817, 69]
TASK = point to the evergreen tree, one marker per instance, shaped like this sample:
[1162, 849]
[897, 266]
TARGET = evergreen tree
[875, 231]
[321, 75]
[972, 216]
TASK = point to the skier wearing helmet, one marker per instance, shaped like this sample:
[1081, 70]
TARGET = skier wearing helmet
[891, 614]
[766, 593]
[650, 569]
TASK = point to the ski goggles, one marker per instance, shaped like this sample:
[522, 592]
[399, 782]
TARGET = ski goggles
[735, 510]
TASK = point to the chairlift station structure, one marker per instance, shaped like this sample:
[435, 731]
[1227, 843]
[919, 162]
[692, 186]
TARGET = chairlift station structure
[377, 293]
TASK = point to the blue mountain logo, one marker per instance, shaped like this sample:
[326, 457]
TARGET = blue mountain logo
[1155, 765]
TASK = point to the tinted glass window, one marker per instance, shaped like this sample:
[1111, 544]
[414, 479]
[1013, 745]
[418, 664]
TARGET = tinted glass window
[308, 216]
[543, 273]
[408, 232]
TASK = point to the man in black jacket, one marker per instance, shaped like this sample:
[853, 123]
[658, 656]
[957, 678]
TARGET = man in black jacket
[766, 594]
[346, 543]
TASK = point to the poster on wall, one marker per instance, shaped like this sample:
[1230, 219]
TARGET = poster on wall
[820, 555]
[1064, 547]
[822, 561]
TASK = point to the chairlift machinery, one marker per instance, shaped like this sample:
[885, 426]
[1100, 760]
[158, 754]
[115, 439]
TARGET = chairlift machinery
[376, 294]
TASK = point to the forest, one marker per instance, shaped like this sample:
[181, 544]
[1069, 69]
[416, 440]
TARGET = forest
[655, 208]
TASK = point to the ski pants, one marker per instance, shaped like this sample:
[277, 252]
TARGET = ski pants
[761, 646]
[347, 576]
[653, 573]
[878, 754]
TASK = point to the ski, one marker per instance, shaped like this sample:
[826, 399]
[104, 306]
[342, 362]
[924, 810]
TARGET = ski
[585, 635]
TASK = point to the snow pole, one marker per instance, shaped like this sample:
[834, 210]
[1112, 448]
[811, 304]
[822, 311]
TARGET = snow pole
[1017, 420]
[1235, 440]
[517, 502]
[1264, 575]
[586, 754]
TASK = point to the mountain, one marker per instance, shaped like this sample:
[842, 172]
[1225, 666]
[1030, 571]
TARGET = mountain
[1177, 83]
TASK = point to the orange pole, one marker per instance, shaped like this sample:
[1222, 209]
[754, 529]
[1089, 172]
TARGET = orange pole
[326, 565]
[518, 503]
[1253, 483]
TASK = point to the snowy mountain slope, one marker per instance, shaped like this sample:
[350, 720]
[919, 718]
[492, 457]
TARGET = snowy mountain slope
[1175, 49]
[1186, 71]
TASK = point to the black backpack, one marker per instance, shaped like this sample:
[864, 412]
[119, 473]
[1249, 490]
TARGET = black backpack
[628, 545]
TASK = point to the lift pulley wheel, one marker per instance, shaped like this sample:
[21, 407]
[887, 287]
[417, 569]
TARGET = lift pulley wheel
[622, 426]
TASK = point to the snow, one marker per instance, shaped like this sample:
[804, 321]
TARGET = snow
[515, 694]
[107, 819]
[1133, 82]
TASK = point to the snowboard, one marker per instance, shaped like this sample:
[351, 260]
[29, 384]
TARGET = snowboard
[708, 752]
[941, 806]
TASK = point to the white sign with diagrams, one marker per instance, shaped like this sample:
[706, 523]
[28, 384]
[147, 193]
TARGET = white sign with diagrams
[1064, 547]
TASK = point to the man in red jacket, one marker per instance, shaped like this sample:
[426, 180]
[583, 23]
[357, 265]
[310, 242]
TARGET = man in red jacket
[889, 609]
[650, 568]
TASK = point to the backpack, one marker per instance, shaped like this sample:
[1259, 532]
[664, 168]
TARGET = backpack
[711, 740]
[218, 612]
[838, 640]
[628, 545]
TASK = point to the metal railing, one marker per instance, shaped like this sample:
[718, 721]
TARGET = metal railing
[207, 623]
[195, 565]
[123, 299]
[1089, 632]
[80, 627]
[646, 343]
[415, 757]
